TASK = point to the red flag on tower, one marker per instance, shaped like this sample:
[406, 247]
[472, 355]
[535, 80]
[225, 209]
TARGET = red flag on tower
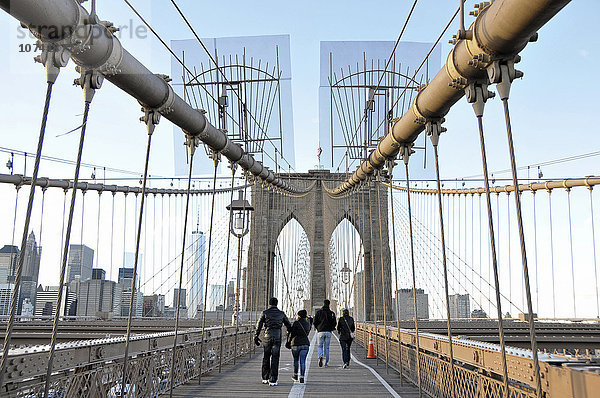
[319, 152]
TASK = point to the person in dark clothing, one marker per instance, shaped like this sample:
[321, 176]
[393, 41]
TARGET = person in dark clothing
[272, 319]
[346, 328]
[300, 343]
[310, 320]
[324, 323]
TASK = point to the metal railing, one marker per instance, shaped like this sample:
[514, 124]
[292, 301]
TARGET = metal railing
[478, 365]
[94, 368]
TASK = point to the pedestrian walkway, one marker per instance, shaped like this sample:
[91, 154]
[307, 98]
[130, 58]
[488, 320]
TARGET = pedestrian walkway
[243, 379]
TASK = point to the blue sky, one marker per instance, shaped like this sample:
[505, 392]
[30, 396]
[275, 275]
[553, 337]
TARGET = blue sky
[548, 105]
[552, 106]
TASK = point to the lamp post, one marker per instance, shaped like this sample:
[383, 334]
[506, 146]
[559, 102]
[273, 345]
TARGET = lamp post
[299, 295]
[239, 227]
[346, 280]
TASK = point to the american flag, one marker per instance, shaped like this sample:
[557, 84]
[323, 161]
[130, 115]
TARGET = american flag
[319, 152]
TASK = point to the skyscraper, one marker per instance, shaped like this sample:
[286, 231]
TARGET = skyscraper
[126, 277]
[46, 300]
[460, 305]
[126, 283]
[9, 256]
[31, 271]
[195, 272]
[81, 261]
[98, 296]
[215, 297]
[8, 262]
[182, 302]
[406, 304]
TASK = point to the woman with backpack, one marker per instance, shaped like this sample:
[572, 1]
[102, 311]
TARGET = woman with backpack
[299, 343]
[345, 328]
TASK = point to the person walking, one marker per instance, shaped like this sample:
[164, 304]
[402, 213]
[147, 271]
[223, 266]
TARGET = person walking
[272, 319]
[300, 344]
[325, 323]
[346, 328]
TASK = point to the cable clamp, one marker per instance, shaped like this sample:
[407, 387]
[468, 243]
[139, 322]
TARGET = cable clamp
[405, 151]
[151, 118]
[503, 73]
[477, 94]
[433, 128]
[90, 81]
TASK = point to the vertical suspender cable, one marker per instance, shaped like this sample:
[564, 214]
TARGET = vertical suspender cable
[233, 169]
[132, 298]
[364, 274]
[210, 236]
[237, 282]
[385, 330]
[414, 279]
[594, 252]
[535, 249]
[443, 242]
[178, 303]
[513, 164]
[66, 242]
[571, 251]
[494, 257]
[391, 172]
[373, 275]
[21, 257]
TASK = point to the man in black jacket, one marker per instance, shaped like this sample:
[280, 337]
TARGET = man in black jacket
[272, 319]
[325, 323]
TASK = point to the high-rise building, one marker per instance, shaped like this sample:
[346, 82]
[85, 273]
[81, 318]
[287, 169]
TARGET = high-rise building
[230, 295]
[45, 303]
[8, 262]
[195, 272]
[6, 293]
[460, 305]
[138, 303]
[31, 271]
[154, 306]
[81, 262]
[9, 256]
[98, 273]
[126, 277]
[182, 299]
[215, 297]
[99, 296]
[406, 307]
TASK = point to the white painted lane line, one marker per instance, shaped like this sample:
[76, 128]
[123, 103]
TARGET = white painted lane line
[297, 390]
[381, 379]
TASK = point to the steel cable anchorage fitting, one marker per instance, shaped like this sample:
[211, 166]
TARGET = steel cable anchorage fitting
[405, 151]
[53, 57]
[90, 81]
[503, 73]
[433, 128]
[477, 94]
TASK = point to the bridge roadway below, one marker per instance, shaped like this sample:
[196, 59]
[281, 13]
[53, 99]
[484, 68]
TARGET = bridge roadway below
[244, 378]
[551, 335]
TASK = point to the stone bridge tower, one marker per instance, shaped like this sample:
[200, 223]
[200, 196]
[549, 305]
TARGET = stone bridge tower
[319, 215]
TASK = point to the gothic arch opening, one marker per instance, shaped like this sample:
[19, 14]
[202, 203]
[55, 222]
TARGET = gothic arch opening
[291, 270]
[345, 262]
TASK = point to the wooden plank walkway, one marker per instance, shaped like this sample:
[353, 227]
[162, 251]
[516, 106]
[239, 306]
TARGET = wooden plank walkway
[244, 379]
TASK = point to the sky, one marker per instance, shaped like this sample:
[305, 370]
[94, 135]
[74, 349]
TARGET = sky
[552, 107]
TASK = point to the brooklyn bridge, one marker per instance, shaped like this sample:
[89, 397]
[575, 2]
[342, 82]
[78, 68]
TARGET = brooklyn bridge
[441, 195]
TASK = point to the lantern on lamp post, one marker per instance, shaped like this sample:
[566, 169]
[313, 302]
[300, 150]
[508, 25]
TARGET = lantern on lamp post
[239, 227]
[345, 272]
